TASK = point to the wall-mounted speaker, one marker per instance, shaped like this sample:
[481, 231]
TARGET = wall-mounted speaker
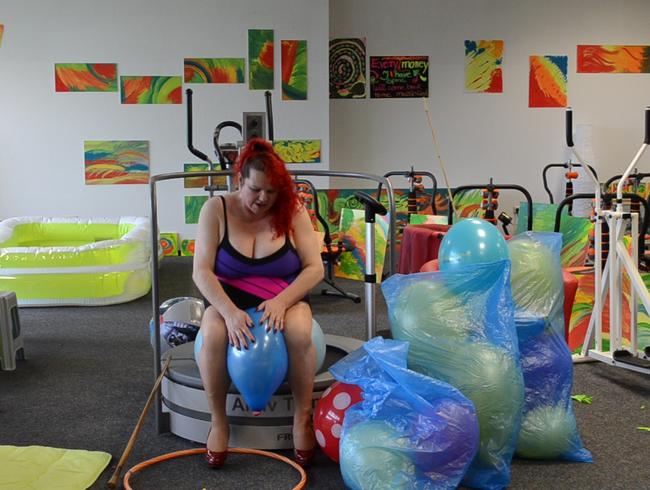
[254, 125]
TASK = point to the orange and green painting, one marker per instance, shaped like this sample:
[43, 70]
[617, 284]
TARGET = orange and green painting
[151, 89]
[169, 243]
[548, 81]
[294, 70]
[187, 247]
[193, 205]
[214, 70]
[260, 59]
[483, 60]
[85, 77]
[200, 182]
[298, 151]
[116, 162]
[609, 58]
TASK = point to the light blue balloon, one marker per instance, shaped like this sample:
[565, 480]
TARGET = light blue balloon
[471, 241]
[318, 339]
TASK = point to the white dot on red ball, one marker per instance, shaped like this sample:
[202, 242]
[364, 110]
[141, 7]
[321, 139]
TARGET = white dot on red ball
[320, 438]
[342, 401]
[336, 430]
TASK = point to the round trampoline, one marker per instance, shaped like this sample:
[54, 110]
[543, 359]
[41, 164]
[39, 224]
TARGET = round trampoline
[189, 415]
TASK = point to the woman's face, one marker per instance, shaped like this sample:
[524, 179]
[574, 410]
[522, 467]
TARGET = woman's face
[257, 193]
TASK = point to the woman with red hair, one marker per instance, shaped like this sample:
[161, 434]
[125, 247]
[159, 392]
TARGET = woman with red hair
[256, 247]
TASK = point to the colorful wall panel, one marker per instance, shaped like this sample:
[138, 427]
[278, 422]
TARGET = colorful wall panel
[214, 70]
[84, 77]
[294, 70]
[260, 59]
[483, 61]
[347, 68]
[116, 162]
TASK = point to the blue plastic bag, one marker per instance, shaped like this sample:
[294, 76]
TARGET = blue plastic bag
[410, 431]
[548, 429]
[460, 325]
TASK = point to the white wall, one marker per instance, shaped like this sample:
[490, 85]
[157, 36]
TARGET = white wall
[490, 135]
[42, 132]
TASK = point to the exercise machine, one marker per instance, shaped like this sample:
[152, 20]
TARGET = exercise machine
[609, 279]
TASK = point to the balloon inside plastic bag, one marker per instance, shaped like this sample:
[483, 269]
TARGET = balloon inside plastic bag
[410, 431]
[460, 325]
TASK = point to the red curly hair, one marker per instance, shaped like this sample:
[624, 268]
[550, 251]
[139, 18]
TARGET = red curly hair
[258, 154]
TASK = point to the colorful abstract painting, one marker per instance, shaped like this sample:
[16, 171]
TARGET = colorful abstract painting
[428, 219]
[548, 81]
[187, 247]
[298, 151]
[85, 77]
[399, 76]
[169, 244]
[575, 231]
[214, 70]
[353, 234]
[608, 58]
[260, 59]
[2, 31]
[200, 182]
[151, 89]
[116, 162]
[483, 60]
[294, 70]
[193, 205]
[583, 307]
[348, 68]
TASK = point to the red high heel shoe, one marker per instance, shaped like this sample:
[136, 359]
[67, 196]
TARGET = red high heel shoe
[215, 459]
[304, 457]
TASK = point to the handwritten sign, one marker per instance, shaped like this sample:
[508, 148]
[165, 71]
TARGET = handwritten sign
[399, 76]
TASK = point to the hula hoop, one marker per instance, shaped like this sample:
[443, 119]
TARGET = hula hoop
[190, 452]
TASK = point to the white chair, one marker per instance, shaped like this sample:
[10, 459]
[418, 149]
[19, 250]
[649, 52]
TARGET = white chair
[11, 339]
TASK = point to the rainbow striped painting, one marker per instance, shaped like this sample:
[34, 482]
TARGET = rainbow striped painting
[151, 89]
[483, 60]
[294, 70]
[298, 151]
[214, 70]
[610, 58]
[260, 59]
[116, 162]
[2, 30]
[548, 81]
[85, 77]
[193, 205]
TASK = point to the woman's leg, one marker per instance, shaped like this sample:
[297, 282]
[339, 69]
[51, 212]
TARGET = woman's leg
[214, 374]
[302, 365]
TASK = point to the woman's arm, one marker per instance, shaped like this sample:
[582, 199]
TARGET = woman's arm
[205, 252]
[308, 248]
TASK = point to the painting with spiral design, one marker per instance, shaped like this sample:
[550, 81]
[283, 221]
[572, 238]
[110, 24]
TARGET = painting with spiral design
[214, 70]
[483, 60]
[151, 90]
[548, 81]
[85, 77]
[613, 59]
[348, 68]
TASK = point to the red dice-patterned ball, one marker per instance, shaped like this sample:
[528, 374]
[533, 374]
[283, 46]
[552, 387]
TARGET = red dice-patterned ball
[329, 413]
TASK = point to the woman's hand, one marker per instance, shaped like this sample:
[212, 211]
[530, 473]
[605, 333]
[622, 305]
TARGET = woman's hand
[238, 324]
[274, 310]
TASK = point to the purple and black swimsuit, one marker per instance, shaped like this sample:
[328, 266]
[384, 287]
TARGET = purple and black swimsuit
[248, 281]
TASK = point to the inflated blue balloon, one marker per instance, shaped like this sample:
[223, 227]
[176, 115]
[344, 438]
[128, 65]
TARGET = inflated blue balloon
[471, 241]
[317, 338]
[259, 370]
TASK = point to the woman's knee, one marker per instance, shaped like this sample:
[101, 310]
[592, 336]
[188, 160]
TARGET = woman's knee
[213, 327]
[298, 325]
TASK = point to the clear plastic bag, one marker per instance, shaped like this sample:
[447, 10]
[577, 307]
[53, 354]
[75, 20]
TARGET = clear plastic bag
[410, 431]
[461, 329]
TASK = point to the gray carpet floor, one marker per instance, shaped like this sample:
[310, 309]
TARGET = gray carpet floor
[89, 371]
